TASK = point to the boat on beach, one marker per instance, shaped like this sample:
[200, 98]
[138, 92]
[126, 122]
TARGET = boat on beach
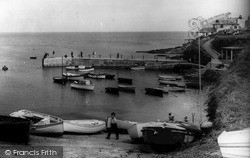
[235, 143]
[173, 83]
[13, 129]
[125, 80]
[154, 91]
[97, 75]
[126, 88]
[83, 85]
[72, 76]
[124, 124]
[112, 90]
[169, 78]
[83, 126]
[41, 124]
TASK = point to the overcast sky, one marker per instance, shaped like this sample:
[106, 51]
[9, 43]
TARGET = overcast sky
[110, 15]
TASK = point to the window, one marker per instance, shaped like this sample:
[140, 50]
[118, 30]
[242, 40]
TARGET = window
[221, 26]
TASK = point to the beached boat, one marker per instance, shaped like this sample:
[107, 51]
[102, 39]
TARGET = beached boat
[83, 85]
[86, 70]
[169, 78]
[235, 143]
[126, 88]
[80, 67]
[42, 124]
[138, 68]
[154, 91]
[97, 76]
[125, 80]
[33, 57]
[135, 132]
[109, 76]
[124, 124]
[83, 126]
[14, 129]
[173, 83]
[112, 90]
[4, 68]
[72, 76]
[164, 134]
[61, 80]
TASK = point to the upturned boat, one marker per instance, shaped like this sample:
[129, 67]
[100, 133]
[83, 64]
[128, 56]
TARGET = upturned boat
[83, 126]
[125, 80]
[154, 91]
[235, 143]
[14, 129]
[83, 85]
[72, 76]
[173, 83]
[97, 75]
[42, 124]
[126, 88]
[112, 90]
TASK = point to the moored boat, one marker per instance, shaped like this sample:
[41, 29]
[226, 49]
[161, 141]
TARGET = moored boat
[4, 68]
[80, 67]
[138, 68]
[112, 90]
[125, 80]
[126, 88]
[33, 57]
[154, 91]
[83, 85]
[97, 75]
[42, 124]
[86, 70]
[173, 83]
[169, 78]
[109, 76]
[235, 143]
[72, 76]
[83, 126]
[14, 129]
[60, 80]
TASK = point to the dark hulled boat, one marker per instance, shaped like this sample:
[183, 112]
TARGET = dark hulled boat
[126, 88]
[125, 80]
[14, 129]
[154, 91]
[112, 90]
[60, 80]
[109, 76]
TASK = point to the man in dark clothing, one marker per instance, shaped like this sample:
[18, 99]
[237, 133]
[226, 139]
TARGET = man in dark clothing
[112, 126]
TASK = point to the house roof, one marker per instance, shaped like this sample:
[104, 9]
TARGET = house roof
[227, 22]
[207, 30]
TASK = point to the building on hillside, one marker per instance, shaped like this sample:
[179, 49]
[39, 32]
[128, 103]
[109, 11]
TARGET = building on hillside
[221, 25]
[230, 53]
[208, 31]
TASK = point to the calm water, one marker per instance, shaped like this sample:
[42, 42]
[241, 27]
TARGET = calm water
[28, 86]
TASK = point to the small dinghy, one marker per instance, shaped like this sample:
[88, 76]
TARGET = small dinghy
[125, 80]
[109, 76]
[126, 88]
[80, 67]
[14, 129]
[235, 143]
[138, 68]
[97, 76]
[173, 83]
[86, 70]
[60, 80]
[4, 68]
[83, 126]
[72, 76]
[42, 124]
[83, 85]
[169, 78]
[154, 91]
[112, 90]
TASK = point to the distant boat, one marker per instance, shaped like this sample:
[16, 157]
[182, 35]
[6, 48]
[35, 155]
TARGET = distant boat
[14, 129]
[72, 76]
[125, 80]
[83, 126]
[109, 76]
[138, 68]
[60, 80]
[169, 78]
[4, 68]
[154, 91]
[42, 124]
[33, 57]
[83, 85]
[235, 143]
[86, 70]
[112, 90]
[97, 75]
[126, 88]
[173, 83]
[80, 67]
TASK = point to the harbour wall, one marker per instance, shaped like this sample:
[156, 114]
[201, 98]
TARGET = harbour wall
[111, 62]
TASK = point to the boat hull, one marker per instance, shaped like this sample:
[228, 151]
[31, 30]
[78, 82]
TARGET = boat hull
[14, 129]
[154, 92]
[126, 88]
[83, 126]
[112, 90]
[125, 80]
[85, 71]
[124, 124]
[82, 86]
[97, 76]
[60, 80]
[235, 144]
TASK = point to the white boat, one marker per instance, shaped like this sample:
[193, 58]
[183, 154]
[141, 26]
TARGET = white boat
[97, 76]
[169, 78]
[135, 132]
[85, 71]
[80, 67]
[83, 126]
[124, 124]
[235, 143]
[72, 76]
[138, 68]
[42, 124]
[84, 85]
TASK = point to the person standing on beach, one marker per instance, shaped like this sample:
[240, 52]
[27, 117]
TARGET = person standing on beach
[112, 126]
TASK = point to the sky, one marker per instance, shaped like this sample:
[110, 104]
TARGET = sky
[110, 15]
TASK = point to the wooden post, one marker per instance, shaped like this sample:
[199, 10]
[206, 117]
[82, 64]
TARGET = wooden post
[231, 55]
